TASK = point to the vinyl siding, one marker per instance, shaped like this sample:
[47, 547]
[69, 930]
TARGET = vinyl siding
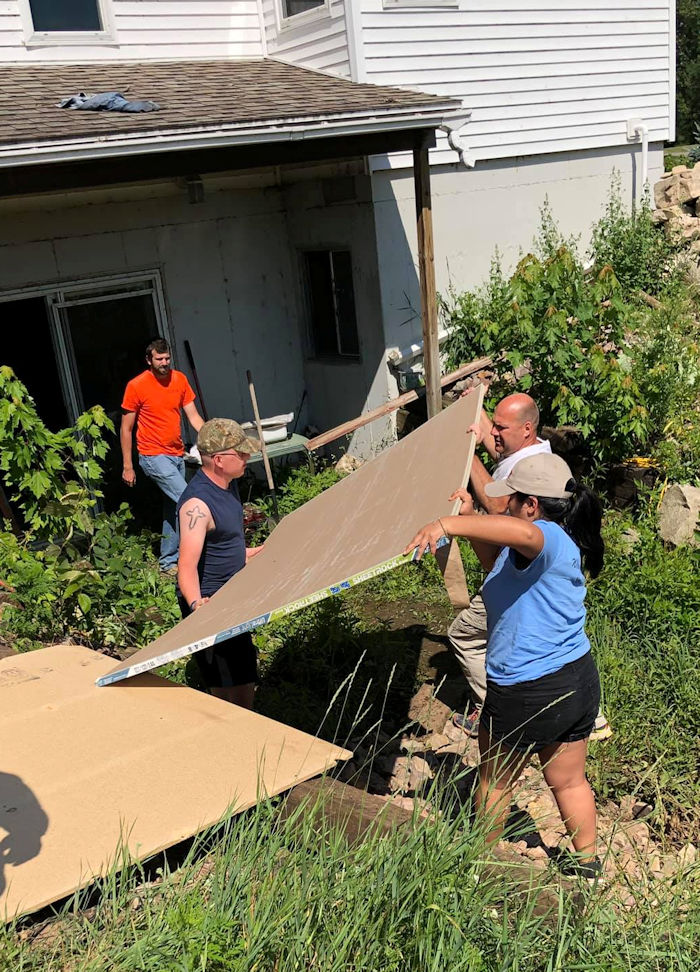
[320, 43]
[146, 29]
[539, 76]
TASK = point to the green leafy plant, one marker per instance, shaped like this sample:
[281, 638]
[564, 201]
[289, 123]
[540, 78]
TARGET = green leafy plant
[694, 153]
[559, 332]
[52, 477]
[629, 241]
[103, 588]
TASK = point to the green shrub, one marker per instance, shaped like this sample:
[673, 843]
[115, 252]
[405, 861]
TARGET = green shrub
[672, 159]
[636, 249]
[103, 589]
[694, 153]
[644, 624]
[52, 477]
[568, 328]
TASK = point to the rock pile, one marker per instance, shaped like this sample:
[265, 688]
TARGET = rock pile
[435, 757]
[677, 200]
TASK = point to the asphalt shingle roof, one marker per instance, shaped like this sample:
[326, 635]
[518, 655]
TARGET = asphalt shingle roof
[192, 94]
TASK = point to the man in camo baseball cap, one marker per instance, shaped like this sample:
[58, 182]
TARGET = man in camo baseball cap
[220, 435]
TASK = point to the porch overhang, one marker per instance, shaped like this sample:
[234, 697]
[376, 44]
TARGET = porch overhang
[220, 125]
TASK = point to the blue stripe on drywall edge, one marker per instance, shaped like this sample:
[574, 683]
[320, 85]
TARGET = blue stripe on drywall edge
[262, 619]
[337, 588]
[241, 628]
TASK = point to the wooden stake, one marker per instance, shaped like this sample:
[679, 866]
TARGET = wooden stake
[263, 447]
[426, 264]
[345, 428]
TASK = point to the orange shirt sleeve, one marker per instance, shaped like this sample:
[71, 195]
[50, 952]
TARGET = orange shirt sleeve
[187, 394]
[132, 400]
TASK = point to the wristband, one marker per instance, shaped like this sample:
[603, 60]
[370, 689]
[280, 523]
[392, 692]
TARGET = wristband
[192, 603]
[444, 531]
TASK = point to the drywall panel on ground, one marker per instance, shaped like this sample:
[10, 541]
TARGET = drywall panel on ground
[142, 765]
[357, 529]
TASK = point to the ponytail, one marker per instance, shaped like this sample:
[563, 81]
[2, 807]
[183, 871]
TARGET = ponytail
[581, 517]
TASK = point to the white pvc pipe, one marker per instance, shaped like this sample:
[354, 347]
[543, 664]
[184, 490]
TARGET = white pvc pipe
[643, 132]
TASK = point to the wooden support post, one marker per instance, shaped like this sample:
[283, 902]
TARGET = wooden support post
[426, 264]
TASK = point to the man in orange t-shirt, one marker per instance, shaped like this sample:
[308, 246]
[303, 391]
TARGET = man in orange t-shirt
[152, 402]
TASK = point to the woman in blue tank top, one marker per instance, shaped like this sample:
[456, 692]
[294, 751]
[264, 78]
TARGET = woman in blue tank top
[543, 689]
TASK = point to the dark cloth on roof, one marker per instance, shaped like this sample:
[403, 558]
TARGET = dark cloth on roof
[109, 101]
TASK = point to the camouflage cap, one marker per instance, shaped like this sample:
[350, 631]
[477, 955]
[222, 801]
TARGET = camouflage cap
[221, 435]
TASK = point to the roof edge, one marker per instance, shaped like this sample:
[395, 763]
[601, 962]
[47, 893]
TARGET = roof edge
[222, 136]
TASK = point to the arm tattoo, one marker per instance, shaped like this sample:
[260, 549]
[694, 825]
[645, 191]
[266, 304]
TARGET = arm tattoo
[195, 515]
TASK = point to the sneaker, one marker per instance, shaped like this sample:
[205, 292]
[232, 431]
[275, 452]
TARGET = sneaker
[601, 729]
[467, 723]
[570, 864]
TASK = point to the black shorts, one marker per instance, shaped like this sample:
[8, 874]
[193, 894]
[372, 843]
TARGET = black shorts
[231, 662]
[557, 708]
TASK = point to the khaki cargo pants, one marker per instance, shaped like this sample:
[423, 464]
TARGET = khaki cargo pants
[468, 635]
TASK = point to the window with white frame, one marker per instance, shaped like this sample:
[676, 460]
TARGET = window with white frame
[331, 301]
[298, 8]
[67, 21]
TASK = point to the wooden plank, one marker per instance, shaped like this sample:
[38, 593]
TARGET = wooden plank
[426, 266]
[339, 806]
[345, 428]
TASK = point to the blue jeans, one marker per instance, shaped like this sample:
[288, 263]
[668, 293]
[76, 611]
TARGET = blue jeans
[168, 472]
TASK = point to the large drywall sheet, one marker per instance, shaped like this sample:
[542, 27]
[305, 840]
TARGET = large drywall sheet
[145, 764]
[356, 529]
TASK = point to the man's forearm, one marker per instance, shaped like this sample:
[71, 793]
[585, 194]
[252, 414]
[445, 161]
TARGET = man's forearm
[188, 582]
[125, 439]
[478, 479]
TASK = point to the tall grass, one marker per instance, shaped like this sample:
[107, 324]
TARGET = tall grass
[291, 894]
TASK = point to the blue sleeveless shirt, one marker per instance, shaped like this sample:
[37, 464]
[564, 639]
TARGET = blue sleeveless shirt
[223, 554]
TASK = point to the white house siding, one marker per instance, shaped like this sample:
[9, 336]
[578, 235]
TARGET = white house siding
[174, 29]
[320, 43]
[539, 76]
[228, 273]
[497, 205]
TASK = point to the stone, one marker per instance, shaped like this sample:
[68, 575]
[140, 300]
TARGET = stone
[435, 742]
[347, 464]
[626, 807]
[678, 515]
[679, 168]
[629, 539]
[687, 856]
[427, 710]
[638, 833]
[409, 774]
[641, 810]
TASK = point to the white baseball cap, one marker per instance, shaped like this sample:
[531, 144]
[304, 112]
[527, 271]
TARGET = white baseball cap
[543, 474]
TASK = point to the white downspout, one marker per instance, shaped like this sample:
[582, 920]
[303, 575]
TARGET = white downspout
[637, 130]
[454, 140]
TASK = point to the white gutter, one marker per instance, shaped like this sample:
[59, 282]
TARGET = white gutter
[229, 135]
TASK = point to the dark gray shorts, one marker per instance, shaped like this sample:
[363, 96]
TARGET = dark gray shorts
[557, 708]
[231, 662]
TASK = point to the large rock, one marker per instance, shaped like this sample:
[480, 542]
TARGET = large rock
[678, 515]
[682, 186]
[427, 710]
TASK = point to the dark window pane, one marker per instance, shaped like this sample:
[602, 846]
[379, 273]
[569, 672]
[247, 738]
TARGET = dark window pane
[345, 303]
[291, 7]
[65, 15]
[323, 332]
